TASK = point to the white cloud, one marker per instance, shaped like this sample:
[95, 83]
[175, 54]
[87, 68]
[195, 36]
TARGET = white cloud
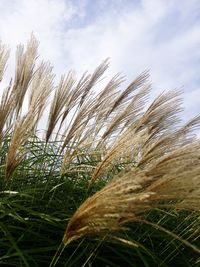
[162, 36]
[45, 18]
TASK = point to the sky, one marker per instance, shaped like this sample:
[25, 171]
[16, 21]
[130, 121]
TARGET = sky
[162, 36]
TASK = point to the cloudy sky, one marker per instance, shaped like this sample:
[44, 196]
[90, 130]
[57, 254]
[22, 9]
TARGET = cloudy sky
[160, 35]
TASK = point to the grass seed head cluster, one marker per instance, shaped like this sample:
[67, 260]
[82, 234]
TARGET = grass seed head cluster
[146, 159]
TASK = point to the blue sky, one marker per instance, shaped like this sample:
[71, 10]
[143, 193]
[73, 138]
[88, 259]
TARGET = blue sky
[160, 35]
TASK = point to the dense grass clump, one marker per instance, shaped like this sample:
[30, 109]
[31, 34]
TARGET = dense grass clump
[110, 181]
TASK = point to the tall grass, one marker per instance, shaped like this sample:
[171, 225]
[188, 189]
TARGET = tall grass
[111, 181]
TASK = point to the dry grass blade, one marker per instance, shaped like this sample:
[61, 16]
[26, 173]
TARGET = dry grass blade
[86, 107]
[99, 115]
[168, 143]
[79, 123]
[74, 97]
[105, 98]
[89, 121]
[4, 55]
[162, 115]
[6, 104]
[40, 89]
[130, 113]
[150, 126]
[126, 94]
[25, 63]
[93, 117]
[128, 146]
[95, 113]
[178, 177]
[173, 182]
[59, 101]
[78, 132]
[120, 201]
[110, 89]
[23, 129]
[99, 71]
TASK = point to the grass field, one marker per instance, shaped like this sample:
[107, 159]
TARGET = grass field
[95, 177]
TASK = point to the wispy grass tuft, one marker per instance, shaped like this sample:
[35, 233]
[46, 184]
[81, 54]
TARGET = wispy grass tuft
[115, 174]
